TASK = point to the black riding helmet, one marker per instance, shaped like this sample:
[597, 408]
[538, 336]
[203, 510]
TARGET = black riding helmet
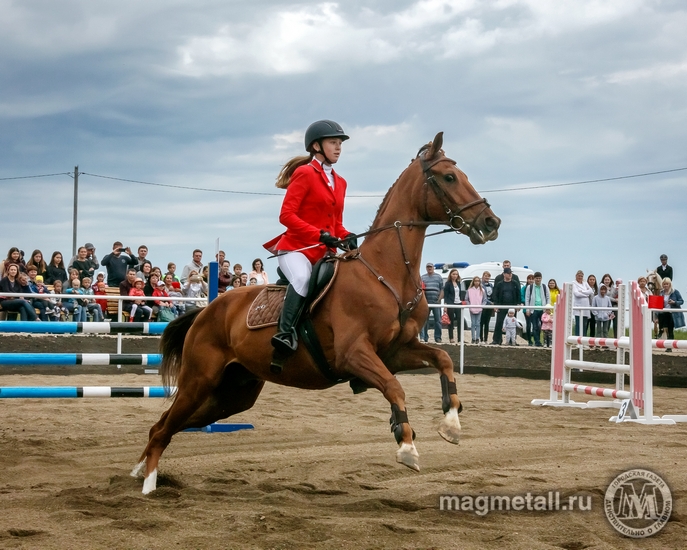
[323, 129]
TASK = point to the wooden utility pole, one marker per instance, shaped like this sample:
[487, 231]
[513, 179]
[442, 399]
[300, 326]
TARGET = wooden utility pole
[76, 208]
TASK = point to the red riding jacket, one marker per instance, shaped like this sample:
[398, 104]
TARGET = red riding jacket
[310, 205]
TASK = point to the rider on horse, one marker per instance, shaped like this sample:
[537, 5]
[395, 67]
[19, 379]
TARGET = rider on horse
[312, 212]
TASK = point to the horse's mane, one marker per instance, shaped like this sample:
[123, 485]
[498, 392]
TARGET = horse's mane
[385, 200]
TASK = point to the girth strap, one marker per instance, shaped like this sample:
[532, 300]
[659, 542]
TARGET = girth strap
[312, 343]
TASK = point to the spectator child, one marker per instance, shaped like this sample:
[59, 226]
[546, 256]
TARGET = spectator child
[603, 317]
[253, 281]
[165, 307]
[41, 304]
[554, 291]
[476, 296]
[139, 310]
[99, 290]
[171, 270]
[238, 269]
[92, 306]
[174, 292]
[72, 274]
[78, 305]
[244, 279]
[59, 311]
[511, 326]
[591, 281]
[32, 272]
[547, 326]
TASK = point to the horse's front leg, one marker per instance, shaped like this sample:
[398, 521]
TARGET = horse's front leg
[416, 355]
[360, 360]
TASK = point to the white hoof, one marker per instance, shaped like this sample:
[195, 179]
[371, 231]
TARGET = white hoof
[150, 482]
[449, 428]
[139, 469]
[408, 456]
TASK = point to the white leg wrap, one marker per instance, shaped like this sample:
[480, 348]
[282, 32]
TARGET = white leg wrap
[408, 456]
[150, 482]
[139, 469]
[450, 428]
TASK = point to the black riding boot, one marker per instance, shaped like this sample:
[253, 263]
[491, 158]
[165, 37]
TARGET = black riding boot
[286, 340]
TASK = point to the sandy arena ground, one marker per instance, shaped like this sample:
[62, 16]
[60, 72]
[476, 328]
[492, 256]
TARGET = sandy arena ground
[319, 471]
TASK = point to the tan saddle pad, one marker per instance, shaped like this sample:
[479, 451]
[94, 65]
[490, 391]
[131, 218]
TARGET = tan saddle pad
[266, 308]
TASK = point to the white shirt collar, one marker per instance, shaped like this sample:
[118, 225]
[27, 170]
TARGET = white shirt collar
[328, 168]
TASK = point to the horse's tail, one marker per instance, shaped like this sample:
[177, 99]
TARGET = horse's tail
[172, 346]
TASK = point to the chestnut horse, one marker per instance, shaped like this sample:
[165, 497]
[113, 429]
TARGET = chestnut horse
[367, 332]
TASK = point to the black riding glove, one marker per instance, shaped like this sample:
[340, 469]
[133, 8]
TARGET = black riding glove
[350, 242]
[326, 238]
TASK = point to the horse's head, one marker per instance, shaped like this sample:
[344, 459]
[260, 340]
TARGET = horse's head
[449, 196]
[654, 281]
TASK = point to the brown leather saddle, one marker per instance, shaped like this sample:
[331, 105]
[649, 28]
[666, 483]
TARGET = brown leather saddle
[267, 306]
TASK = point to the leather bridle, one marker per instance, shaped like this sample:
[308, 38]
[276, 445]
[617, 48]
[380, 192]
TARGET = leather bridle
[455, 222]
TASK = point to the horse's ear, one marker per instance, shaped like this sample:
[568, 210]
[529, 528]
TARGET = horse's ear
[435, 146]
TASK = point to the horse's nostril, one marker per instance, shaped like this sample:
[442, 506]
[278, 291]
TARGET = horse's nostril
[492, 223]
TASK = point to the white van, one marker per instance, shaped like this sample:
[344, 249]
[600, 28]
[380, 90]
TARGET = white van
[468, 272]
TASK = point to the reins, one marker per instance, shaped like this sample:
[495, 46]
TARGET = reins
[455, 222]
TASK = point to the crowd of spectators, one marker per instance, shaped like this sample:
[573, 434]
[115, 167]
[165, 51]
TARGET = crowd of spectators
[506, 290]
[85, 277]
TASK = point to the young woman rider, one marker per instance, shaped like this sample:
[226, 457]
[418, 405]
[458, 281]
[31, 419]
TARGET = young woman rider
[312, 212]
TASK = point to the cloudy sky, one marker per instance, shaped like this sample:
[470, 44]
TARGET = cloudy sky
[217, 94]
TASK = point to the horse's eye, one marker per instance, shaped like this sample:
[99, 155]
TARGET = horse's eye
[449, 178]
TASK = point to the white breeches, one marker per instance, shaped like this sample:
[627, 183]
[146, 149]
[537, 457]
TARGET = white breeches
[297, 269]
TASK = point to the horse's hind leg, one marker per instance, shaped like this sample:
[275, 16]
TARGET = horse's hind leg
[236, 392]
[201, 373]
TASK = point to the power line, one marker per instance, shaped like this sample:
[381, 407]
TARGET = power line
[36, 176]
[581, 182]
[505, 190]
[182, 186]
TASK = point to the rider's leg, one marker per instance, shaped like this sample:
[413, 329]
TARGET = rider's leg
[297, 269]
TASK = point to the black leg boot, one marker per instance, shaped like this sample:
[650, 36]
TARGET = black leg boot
[286, 339]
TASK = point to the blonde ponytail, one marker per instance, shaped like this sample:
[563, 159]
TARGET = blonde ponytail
[284, 177]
